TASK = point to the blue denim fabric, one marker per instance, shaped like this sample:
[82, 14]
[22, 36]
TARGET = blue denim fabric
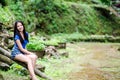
[17, 37]
[15, 51]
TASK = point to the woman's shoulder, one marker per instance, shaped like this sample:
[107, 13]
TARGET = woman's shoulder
[26, 33]
[16, 37]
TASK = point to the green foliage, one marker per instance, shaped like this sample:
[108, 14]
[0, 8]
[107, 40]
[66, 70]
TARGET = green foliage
[18, 10]
[72, 0]
[58, 70]
[19, 69]
[9, 2]
[58, 16]
[53, 42]
[68, 37]
[6, 16]
[107, 2]
[35, 45]
[80, 1]
[76, 37]
[48, 15]
[83, 16]
[2, 2]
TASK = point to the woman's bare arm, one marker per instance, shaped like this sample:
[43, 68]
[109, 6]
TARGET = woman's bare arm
[21, 48]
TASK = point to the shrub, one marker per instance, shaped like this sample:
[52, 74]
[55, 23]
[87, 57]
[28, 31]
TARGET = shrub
[19, 69]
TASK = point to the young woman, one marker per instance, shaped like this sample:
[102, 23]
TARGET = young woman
[19, 52]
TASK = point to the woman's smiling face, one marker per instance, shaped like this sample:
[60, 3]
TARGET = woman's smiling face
[20, 27]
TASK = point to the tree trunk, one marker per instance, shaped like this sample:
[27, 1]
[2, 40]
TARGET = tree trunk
[38, 72]
[5, 59]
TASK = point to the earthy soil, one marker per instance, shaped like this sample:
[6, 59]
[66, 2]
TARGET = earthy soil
[94, 61]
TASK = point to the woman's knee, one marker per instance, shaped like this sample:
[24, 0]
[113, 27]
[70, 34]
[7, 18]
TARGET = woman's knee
[28, 60]
[33, 57]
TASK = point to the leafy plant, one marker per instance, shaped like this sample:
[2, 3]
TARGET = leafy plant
[107, 2]
[6, 16]
[53, 42]
[19, 69]
[35, 45]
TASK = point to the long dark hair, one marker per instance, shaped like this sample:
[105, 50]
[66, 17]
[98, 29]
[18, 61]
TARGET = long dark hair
[16, 32]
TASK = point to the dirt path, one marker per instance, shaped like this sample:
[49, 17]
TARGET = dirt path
[94, 61]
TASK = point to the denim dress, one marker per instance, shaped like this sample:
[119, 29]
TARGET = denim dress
[15, 50]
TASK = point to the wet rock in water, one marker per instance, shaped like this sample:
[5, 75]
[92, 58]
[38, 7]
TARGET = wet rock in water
[1, 77]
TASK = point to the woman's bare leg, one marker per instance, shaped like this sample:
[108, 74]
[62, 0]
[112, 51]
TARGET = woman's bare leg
[33, 57]
[26, 59]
